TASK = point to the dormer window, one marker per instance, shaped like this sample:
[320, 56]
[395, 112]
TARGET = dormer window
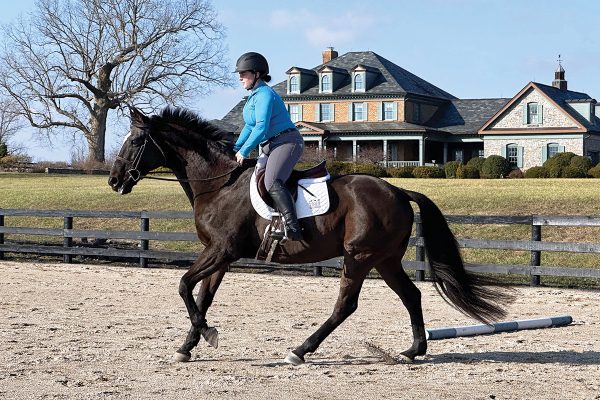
[359, 82]
[325, 83]
[294, 84]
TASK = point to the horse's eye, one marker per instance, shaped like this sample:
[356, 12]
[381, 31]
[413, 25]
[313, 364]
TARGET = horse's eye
[138, 140]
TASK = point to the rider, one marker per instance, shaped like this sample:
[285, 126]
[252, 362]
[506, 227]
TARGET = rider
[268, 124]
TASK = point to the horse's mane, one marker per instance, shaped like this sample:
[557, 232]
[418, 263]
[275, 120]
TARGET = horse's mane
[187, 129]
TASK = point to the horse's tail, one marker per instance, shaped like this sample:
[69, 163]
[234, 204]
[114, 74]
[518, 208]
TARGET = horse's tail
[468, 292]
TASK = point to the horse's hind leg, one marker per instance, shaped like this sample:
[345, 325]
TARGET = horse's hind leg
[347, 302]
[395, 277]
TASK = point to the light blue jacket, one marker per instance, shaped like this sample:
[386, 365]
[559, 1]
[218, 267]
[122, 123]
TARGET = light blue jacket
[265, 115]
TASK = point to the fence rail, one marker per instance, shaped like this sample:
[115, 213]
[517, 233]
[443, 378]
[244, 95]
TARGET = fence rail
[144, 236]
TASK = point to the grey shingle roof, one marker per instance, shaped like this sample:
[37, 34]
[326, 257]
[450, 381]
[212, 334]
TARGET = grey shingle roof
[564, 97]
[392, 79]
[369, 127]
[234, 118]
[466, 116]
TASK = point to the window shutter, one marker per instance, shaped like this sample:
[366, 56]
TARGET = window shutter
[504, 151]
[544, 153]
[288, 85]
[299, 112]
[365, 111]
[332, 112]
[380, 111]
[519, 156]
[395, 111]
[318, 112]
[541, 113]
[561, 149]
[350, 112]
[524, 114]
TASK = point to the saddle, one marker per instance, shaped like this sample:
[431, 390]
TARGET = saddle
[318, 171]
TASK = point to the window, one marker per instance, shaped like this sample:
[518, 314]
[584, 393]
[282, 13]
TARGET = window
[553, 148]
[458, 155]
[294, 84]
[326, 83]
[512, 154]
[326, 114]
[388, 111]
[533, 116]
[295, 112]
[358, 111]
[359, 82]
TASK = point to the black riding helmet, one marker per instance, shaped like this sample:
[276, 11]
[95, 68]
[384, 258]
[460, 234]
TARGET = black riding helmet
[254, 62]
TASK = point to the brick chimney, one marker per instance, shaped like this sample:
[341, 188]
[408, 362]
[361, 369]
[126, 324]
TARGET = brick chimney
[329, 54]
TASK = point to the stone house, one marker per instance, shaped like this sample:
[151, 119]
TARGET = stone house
[360, 104]
[541, 121]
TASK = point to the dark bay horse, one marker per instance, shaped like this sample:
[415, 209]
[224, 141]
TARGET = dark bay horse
[369, 224]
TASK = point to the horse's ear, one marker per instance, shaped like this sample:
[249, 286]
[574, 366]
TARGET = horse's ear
[136, 116]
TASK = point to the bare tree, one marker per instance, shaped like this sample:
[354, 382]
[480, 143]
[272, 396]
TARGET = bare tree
[71, 61]
[10, 125]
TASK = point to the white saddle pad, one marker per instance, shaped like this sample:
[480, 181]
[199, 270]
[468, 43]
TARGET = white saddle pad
[313, 198]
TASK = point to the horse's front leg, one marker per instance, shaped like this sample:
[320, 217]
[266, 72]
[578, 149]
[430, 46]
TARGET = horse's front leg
[208, 268]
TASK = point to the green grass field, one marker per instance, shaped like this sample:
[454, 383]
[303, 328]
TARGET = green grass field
[454, 197]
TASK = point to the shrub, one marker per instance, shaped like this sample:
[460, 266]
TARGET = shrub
[467, 172]
[536, 172]
[557, 163]
[337, 168]
[371, 169]
[450, 168]
[428, 172]
[582, 163]
[595, 171]
[401, 172]
[495, 167]
[573, 172]
[515, 174]
[476, 162]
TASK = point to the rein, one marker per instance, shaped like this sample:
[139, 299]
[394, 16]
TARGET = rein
[191, 180]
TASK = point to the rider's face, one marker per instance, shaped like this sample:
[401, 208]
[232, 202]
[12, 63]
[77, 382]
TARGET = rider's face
[247, 77]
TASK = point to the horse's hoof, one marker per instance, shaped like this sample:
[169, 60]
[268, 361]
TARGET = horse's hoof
[293, 359]
[211, 335]
[402, 359]
[180, 357]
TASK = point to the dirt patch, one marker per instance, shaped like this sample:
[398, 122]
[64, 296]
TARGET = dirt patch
[89, 331]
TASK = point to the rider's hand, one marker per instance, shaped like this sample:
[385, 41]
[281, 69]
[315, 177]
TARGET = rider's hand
[239, 157]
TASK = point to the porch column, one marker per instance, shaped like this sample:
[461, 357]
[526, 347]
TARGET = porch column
[385, 153]
[445, 153]
[354, 151]
[421, 151]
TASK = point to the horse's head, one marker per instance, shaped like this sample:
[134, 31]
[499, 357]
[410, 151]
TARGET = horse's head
[139, 154]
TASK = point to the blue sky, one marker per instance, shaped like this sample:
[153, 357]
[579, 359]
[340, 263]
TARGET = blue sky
[469, 48]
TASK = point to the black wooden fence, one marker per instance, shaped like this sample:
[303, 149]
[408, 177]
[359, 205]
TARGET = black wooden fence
[144, 235]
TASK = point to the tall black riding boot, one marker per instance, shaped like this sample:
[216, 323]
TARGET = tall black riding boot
[285, 205]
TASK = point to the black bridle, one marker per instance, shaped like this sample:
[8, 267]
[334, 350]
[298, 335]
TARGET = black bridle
[135, 174]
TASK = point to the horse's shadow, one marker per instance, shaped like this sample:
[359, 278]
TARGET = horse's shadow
[526, 357]
[518, 357]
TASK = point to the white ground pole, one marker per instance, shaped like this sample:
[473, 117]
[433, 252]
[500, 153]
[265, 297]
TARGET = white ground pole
[507, 326]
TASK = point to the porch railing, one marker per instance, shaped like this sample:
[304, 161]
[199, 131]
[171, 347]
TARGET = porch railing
[398, 164]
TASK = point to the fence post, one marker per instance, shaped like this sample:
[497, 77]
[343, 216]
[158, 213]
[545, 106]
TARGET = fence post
[67, 241]
[419, 250]
[317, 271]
[144, 227]
[536, 256]
[1, 236]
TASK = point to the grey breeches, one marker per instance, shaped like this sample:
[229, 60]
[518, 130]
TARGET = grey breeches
[280, 162]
